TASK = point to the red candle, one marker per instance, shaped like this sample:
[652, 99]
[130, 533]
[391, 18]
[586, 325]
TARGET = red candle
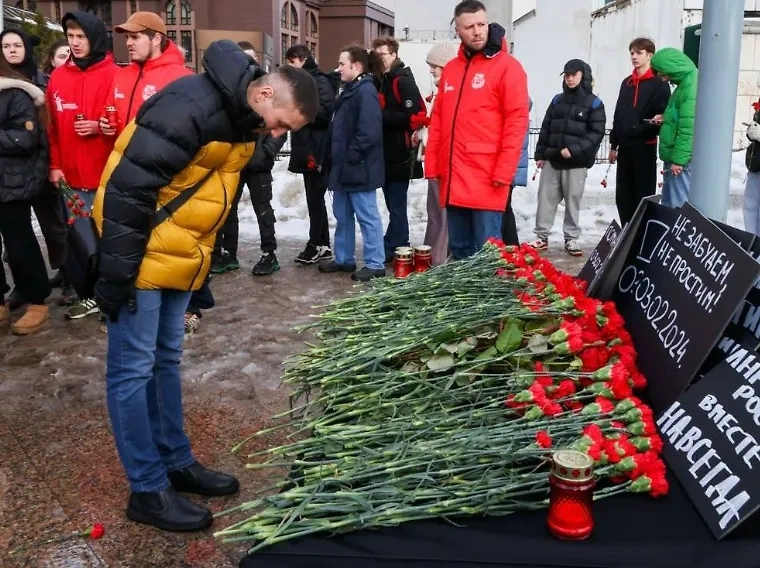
[571, 495]
[423, 258]
[403, 262]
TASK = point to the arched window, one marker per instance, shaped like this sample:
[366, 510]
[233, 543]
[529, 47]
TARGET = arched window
[293, 18]
[185, 13]
[313, 29]
[284, 16]
[169, 14]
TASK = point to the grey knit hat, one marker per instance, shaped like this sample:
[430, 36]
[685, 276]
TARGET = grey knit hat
[442, 52]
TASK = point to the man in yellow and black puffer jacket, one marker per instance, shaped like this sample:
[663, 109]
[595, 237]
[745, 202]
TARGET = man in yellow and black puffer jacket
[197, 131]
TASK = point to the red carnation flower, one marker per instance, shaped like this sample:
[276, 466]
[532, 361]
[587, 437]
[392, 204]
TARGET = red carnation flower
[543, 439]
[564, 389]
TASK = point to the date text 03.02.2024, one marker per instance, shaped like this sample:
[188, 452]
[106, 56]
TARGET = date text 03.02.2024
[657, 310]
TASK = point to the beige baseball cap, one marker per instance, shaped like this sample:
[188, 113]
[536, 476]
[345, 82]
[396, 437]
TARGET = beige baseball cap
[141, 21]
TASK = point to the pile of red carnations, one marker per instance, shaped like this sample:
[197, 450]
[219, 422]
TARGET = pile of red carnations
[445, 393]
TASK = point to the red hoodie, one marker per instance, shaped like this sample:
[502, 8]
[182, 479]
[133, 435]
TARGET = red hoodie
[70, 92]
[135, 84]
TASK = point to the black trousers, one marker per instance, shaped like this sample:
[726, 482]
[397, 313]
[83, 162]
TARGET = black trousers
[260, 187]
[24, 255]
[636, 178]
[508, 223]
[319, 227]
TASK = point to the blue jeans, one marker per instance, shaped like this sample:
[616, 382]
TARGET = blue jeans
[469, 229]
[397, 235]
[143, 389]
[675, 189]
[362, 205]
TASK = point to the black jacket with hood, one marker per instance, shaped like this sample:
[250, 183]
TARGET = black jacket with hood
[308, 146]
[23, 142]
[574, 120]
[640, 98]
[402, 99]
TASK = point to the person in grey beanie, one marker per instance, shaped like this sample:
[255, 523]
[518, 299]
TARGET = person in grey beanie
[436, 233]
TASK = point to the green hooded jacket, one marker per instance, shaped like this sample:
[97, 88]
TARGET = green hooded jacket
[677, 132]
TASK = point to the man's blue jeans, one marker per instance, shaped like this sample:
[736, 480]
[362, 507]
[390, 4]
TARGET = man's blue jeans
[144, 393]
[469, 229]
[363, 205]
[397, 234]
[675, 189]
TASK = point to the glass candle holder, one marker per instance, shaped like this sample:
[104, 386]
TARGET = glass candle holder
[571, 495]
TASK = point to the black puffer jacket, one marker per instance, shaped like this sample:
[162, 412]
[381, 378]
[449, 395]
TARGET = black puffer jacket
[23, 143]
[402, 99]
[574, 120]
[308, 146]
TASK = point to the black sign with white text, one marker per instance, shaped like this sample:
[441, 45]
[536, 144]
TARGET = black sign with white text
[677, 290]
[711, 440]
[599, 255]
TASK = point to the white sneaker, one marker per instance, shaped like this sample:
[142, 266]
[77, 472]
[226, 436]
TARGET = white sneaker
[539, 244]
[572, 248]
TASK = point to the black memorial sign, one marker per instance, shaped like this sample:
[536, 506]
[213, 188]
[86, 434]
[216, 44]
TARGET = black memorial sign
[677, 289]
[712, 441]
[599, 255]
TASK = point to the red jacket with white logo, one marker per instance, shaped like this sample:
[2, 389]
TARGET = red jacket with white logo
[70, 92]
[136, 83]
[478, 126]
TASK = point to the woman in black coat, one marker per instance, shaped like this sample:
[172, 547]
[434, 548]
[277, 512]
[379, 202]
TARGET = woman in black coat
[357, 166]
[23, 176]
[18, 51]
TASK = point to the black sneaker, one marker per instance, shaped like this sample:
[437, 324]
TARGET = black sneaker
[266, 265]
[325, 253]
[331, 266]
[366, 274]
[309, 255]
[226, 263]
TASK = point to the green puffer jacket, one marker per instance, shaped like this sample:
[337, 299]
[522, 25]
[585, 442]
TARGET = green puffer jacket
[677, 132]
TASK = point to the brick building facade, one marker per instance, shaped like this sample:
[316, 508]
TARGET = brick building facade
[270, 25]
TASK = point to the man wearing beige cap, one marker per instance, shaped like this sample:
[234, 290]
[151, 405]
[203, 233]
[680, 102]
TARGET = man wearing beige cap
[155, 62]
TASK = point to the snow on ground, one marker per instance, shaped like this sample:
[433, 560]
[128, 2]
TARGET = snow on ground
[289, 202]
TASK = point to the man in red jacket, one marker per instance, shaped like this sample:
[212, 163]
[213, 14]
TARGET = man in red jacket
[478, 125]
[76, 99]
[155, 62]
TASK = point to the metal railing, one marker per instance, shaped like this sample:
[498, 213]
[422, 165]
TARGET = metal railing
[602, 156]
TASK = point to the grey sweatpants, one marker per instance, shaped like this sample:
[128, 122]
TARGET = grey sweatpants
[437, 233]
[554, 186]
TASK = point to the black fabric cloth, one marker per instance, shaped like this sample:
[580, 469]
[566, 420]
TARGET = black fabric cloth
[752, 157]
[260, 188]
[315, 184]
[201, 299]
[638, 99]
[51, 214]
[28, 67]
[402, 100]
[308, 146]
[631, 531]
[508, 223]
[636, 178]
[575, 120]
[96, 33]
[24, 254]
[24, 155]
[266, 151]
[172, 127]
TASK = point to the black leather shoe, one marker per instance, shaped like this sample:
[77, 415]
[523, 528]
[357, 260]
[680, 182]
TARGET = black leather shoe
[168, 511]
[201, 481]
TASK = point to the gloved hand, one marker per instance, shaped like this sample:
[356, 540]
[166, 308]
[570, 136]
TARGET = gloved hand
[111, 297]
[753, 131]
[419, 120]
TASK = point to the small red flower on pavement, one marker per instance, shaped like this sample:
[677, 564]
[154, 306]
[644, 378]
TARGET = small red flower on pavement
[97, 531]
[543, 439]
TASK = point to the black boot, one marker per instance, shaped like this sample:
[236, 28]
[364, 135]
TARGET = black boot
[168, 511]
[201, 481]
